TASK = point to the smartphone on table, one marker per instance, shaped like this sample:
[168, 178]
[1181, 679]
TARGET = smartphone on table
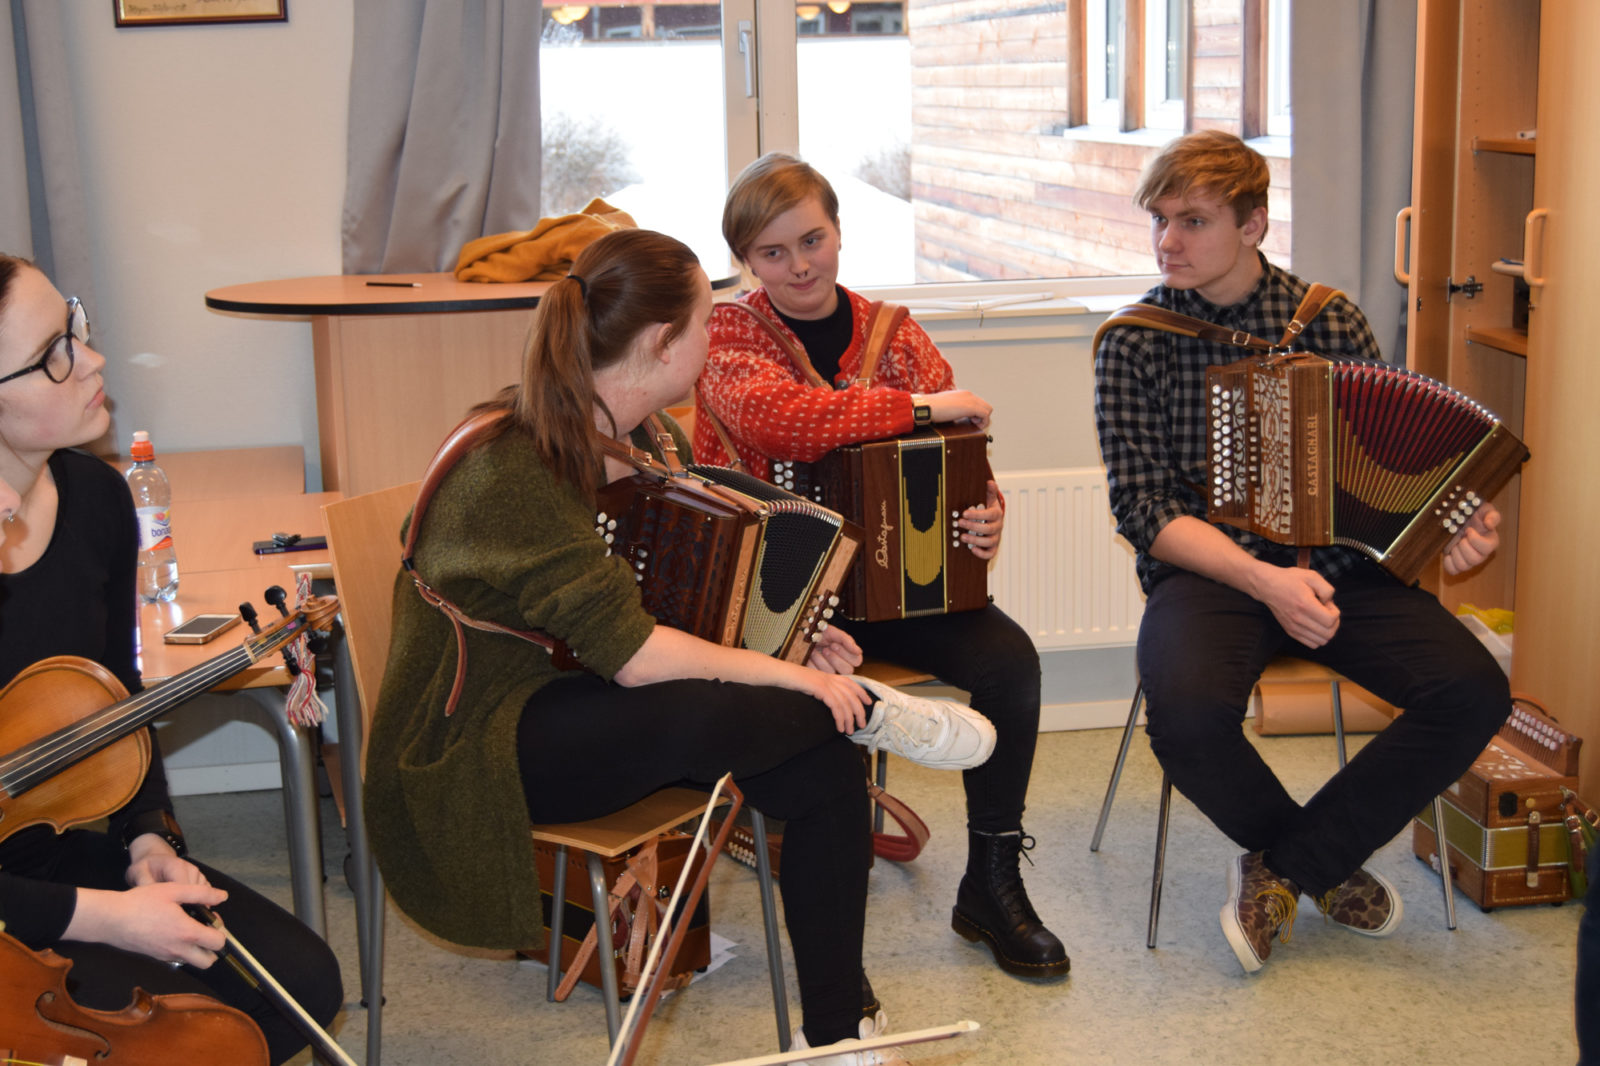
[200, 629]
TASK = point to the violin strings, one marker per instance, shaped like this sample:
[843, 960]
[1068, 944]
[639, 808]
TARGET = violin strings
[81, 737]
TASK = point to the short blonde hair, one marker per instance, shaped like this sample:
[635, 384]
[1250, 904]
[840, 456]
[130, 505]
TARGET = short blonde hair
[1209, 160]
[767, 188]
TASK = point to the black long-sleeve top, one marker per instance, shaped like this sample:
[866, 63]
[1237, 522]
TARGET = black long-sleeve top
[78, 599]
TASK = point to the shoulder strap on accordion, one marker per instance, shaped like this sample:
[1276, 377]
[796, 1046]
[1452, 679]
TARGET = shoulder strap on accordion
[796, 354]
[1317, 297]
[465, 437]
[1148, 316]
[883, 319]
[702, 410]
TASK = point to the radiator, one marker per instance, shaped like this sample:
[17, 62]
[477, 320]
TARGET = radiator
[1062, 572]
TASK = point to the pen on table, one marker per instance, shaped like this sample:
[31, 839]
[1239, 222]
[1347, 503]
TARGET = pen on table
[397, 284]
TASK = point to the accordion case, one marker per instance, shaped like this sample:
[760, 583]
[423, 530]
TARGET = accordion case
[728, 557]
[906, 494]
[1503, 820]
[1310, 451]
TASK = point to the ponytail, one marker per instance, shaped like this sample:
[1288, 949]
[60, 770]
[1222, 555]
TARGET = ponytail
[622, 284]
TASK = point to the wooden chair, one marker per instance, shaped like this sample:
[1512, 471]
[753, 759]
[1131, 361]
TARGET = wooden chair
[1282, 666]
[363, 536]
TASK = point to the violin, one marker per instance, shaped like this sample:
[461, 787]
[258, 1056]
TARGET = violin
[40, 1023]
[78, 750]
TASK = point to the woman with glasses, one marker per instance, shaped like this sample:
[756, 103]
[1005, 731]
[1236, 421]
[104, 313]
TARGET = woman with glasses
[110, 901]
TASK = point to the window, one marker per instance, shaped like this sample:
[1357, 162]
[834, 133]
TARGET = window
[966, 143]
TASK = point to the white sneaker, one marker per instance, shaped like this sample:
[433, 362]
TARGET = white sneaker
[841, 1055]
[940, 734]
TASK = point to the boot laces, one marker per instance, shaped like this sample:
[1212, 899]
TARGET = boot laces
[1007, 878]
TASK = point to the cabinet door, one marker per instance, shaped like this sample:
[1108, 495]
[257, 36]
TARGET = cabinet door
[1557, 657]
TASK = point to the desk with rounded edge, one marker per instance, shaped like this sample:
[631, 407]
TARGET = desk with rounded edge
[400, 358]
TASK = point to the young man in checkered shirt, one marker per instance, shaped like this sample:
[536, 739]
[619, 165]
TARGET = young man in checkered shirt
[1222, 602]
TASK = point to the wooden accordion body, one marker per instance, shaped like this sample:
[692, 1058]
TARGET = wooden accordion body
[906, 494]
[1508, 844]
[1310, 451]
[728, 557]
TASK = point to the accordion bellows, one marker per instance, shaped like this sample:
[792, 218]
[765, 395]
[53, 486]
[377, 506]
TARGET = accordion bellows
[1311, 451]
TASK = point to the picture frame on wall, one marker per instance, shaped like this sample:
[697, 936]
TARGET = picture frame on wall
[185, 12]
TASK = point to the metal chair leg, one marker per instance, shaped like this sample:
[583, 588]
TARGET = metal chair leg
[1158, 875]
[558, 918]
[1444, 863]
[1116, 771]
[1338, 722]
[372, 966]
[769, 920]
[605, 950]
[883, 782]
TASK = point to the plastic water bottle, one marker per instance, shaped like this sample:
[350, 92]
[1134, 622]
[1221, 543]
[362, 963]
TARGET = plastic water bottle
[152, 498]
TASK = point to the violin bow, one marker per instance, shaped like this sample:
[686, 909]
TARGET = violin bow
[257, 977]
[656, 967]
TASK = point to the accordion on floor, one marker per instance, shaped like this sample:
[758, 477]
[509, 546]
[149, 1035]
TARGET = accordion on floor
[728, 557]
[1311, 451]
[906, 494]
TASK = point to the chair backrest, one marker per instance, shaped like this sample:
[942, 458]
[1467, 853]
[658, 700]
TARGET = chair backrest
[364, 539]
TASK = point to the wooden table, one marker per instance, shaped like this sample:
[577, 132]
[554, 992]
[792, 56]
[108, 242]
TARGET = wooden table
[397, 365]
[400, 359]
[217, 571]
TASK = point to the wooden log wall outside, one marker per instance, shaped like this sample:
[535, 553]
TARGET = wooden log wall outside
[1002, 186]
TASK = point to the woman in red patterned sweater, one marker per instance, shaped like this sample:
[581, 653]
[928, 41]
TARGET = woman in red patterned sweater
[781, 404]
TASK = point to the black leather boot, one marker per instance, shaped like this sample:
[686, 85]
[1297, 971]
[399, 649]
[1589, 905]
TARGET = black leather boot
[992, 905]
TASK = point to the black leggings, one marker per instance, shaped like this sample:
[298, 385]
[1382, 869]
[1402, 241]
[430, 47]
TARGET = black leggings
[588, 748]
[991, 657]
[104, 977]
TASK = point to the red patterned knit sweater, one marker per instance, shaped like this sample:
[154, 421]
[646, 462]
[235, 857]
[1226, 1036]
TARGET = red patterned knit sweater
[775, 409]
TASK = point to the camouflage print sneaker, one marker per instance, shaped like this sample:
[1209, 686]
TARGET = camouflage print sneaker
[1260, 906]
[1365, 904]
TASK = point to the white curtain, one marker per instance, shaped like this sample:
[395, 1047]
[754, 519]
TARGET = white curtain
[444, 130]
[1353, 68]
[42, 214]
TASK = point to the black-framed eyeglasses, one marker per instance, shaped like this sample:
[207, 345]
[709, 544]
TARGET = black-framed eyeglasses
[58, 357]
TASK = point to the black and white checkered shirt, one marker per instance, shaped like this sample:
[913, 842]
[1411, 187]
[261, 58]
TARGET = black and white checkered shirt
[1150, 410]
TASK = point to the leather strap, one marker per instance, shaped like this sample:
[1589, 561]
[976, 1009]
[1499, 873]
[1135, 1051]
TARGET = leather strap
[1148, 316]
[1316, 298]
[465, 437]
[905, 846]
[796, 354]
[883, 319]
[703, 412]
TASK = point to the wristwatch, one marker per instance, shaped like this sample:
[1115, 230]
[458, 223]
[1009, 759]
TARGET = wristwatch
[162, 824]
[921, 415]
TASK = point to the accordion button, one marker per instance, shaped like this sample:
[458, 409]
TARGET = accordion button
[833, 601]
[644, 553]
[601, 517]
[827, 612]
[821, 626]
[610, 538]
[611, 524]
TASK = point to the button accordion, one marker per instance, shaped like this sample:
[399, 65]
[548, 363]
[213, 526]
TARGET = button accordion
[906, 493]
[728, 557]
[1311, 451]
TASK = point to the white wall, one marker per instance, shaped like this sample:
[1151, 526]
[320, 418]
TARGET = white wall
[214, 155]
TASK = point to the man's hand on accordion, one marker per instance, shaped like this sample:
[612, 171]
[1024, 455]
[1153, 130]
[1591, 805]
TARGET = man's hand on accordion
[1475, 543]
[835, 652]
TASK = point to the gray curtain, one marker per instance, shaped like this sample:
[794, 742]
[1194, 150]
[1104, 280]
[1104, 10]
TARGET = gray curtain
[43, 214]
[1353, 71]
[444, 130]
